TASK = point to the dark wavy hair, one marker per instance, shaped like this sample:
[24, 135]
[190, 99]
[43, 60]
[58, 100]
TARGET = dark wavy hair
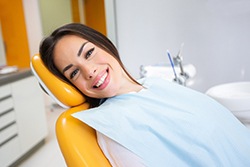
[48, 44]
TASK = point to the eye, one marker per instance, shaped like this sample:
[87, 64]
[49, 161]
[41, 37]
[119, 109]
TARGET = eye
[73, 74]
[88, 54]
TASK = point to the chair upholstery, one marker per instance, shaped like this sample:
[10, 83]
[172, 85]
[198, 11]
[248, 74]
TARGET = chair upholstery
[55, 87]
[77, 141]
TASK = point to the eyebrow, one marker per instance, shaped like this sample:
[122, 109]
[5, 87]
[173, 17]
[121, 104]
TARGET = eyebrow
[78, 54]
[81, 48]
[67, 67]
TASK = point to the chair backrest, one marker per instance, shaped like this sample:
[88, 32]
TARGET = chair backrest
[77, 141]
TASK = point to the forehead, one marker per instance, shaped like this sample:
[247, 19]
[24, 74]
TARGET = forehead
[66, 49]
[68, 45]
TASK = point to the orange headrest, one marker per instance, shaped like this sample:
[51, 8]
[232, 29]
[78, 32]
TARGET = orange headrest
[63, 93]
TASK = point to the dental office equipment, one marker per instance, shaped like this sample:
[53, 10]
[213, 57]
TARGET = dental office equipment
[182, 75]
[178, 61]
[176, 79]
[172, 64]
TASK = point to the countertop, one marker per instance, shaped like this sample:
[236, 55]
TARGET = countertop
[15, 76]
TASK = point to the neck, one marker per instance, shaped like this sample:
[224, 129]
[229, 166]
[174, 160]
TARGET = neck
[131, 85]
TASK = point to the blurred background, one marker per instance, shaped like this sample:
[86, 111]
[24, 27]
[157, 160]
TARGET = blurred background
[215, 35]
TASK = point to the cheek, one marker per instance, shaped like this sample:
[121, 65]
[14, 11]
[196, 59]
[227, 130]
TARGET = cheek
[81, 85]
[102, 59]
[84, 91]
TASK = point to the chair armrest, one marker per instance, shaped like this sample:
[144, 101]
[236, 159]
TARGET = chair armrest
[78, 142]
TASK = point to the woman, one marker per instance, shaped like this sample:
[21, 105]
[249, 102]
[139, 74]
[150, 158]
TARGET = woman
[150, 122]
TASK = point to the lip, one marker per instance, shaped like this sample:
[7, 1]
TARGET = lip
[106, 81]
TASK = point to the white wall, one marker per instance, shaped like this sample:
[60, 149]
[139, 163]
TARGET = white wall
[2, 49]
[216, 36]
[33, 25]
[110, 14]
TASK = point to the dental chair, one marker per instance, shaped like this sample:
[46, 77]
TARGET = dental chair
[77, 141]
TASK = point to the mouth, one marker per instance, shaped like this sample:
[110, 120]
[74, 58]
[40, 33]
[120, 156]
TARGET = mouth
[101, 80]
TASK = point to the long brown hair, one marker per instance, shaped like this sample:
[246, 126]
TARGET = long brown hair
[48, 44]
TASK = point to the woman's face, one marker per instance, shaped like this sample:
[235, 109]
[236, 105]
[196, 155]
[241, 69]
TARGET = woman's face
[93, 71]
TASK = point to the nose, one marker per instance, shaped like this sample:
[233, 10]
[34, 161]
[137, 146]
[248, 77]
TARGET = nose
[91, 74]
[89, 71]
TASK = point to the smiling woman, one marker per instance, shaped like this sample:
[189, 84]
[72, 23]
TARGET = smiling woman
[86, 58]
[89, 67]
[149, 122]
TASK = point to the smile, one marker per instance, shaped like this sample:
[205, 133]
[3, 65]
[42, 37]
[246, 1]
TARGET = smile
[101, 81]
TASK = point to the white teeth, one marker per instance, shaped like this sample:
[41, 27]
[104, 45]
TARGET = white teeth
[102, 79]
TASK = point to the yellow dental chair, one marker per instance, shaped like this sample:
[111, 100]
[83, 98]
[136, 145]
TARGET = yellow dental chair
[77, 141]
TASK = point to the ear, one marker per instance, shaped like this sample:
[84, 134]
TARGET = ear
[63, 93]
